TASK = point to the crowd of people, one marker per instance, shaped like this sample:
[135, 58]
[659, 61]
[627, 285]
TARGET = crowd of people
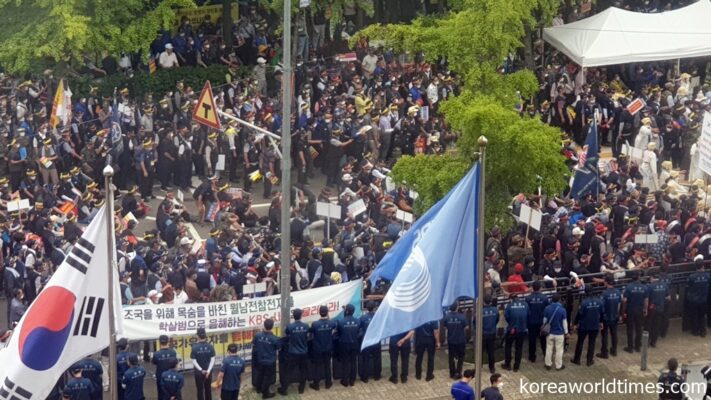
[353, 119]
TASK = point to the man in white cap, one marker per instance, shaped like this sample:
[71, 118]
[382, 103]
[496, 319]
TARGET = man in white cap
[260, 74]
[154, 297]
[168, 59]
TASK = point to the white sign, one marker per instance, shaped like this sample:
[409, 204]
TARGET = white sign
[704, 144]
[646, 239]
[220, 165]
[20, 204]
[304, 3]
[328, 210]
[180, 196]
[530, 217]
[254, 288]
[147, 322]
[404, 216]
[357, 207]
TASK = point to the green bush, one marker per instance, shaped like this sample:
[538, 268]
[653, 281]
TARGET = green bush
[158, 83]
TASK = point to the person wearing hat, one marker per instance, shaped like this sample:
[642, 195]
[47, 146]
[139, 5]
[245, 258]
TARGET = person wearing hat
[131, 381]
[322, 332]
[348, 335]
[77, 387]
[202, 356]
[644, 135]
[167, 153]
[162, 359]
[230, 377]
[264, 357]
[47, 162]
[93, 371]
[296, 343]
[168, 58]
[648, 168]
[260, 75]
[145, 165]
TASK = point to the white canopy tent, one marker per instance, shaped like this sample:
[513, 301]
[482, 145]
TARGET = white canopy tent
[617, 36]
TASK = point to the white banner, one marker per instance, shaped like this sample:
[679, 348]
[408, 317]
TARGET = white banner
[150, 321]
[704, 144]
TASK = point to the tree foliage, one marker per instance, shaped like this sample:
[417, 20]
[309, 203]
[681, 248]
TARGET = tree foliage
[430, 176]
[475, 38]
[65, 30]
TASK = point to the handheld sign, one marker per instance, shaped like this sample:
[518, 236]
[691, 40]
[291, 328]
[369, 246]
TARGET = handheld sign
[205, 111]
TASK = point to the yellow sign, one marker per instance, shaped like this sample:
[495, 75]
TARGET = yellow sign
[205, 111]
[197, 15]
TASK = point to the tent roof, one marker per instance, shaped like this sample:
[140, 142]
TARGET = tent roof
[617, 36]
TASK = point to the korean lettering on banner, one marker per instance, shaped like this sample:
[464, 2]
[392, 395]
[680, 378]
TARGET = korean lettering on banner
[150, 321]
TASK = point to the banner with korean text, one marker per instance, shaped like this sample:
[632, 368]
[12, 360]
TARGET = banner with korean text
[146, 322]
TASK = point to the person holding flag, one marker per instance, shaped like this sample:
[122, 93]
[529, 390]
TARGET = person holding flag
[586, 179]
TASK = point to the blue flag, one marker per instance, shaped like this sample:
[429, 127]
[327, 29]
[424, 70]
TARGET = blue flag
[587, 179]
[432, 264]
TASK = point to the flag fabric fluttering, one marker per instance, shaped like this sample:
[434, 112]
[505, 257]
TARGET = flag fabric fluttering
[61, 106]
[432, 265]
[68, 320]
[586, 179]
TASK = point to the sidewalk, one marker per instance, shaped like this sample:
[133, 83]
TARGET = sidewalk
[686, 348]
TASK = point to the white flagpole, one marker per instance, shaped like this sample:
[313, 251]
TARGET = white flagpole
[109, 209]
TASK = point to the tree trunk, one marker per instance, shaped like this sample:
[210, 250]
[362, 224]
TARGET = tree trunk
[528, 50]
[227, 22]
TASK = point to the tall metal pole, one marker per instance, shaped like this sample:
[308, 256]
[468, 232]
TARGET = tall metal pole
[479, 338]
[111, 251]
[285, 284]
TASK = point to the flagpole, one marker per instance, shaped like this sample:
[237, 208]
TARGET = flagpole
[109, 210]
[479, 337]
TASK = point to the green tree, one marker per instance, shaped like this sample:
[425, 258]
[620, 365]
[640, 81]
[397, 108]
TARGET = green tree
[37, 31]
[475, 38]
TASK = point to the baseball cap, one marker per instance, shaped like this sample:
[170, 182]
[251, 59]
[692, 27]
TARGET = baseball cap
[168, 46]
[186, 241]
[155, 293]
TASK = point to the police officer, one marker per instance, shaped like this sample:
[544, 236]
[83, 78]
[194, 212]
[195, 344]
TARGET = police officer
[696, 296]
[490, 319]
[230, 375]
[426, 338]
[264, 356]
[370, 363]
[172, 381]
[78, 387]
[203, 358]
[348, 335]
[122, 363]
[132, 380]
[516, 315]
[671, 382]
[635, 299]
[92, 370]
[658, 297]
[589, 322]
[145, 162]
[611, 300]
[162, 360]
[537, 302]
[297, 334]
[322, 331]
[399, 345]
[456, 325]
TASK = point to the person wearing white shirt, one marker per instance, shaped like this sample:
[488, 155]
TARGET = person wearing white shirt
[433, 93]
[370, 61]
[180, 296]
[168, 59]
